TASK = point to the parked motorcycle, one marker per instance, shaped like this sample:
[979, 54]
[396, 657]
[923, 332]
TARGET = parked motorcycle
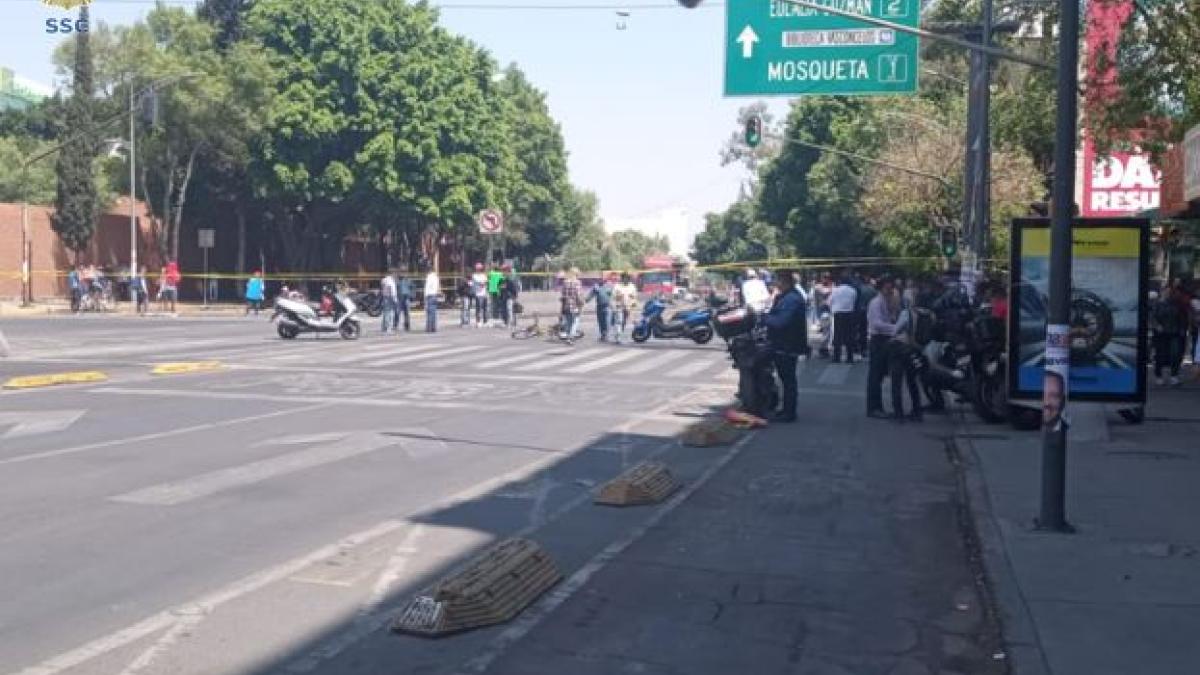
[695, 324]
[370, 302]
[746, 342]
[295, 317]
[963, 355]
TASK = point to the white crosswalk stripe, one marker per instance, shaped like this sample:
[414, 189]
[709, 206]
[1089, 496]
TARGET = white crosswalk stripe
[700, 364]
[554, 361]
[652, 362]
[439, 362]
[498, 363]
[603, 363]
[391, 361]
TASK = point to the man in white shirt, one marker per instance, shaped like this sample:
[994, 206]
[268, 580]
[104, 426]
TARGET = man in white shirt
[841, 304]
[433, 286]
[755, 293]
[391, 306]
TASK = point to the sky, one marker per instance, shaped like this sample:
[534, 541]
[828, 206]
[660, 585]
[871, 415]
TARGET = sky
[641, 109]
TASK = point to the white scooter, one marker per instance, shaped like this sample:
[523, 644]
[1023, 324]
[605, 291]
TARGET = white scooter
[296, 317]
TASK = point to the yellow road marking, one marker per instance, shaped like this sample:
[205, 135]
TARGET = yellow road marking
[32, 381]
[186, 367]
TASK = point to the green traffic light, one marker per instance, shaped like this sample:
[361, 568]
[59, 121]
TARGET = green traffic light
[754, 131]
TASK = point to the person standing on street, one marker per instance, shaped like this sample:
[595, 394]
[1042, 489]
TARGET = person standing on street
[391, 308]
[510, 288]
[433, 287]
[479, 282]
[901, 364]
[404, 294]
[169, 285]
[254, 293]
[602, 293]
[882, 315]
[624, 302]
[1169, 322]
[572, 303]
[75, 283]
[842, 300]
[466, 294]
[787, 331]
[493, 288]
[755, 294]
[141, 292]
[866, 293]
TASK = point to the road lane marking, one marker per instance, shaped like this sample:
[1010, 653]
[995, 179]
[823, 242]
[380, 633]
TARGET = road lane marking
[55, 379]
[222, 480]
[33, 422]
[532, 617]
[166, 619]
[475, 406]
[163, 434]
[603, 363]
[652, 362]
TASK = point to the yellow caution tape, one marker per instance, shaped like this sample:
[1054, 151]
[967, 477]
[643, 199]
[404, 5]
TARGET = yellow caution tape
[187, 367]
[33, 381]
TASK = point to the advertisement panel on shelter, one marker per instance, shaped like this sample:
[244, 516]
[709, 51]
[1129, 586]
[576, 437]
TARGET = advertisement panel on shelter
[1107, 333]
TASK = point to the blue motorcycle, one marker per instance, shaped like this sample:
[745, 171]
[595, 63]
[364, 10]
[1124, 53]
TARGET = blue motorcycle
[695, 324]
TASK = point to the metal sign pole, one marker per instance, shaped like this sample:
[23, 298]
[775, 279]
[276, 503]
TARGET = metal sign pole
[206, 277]
[1058, 364]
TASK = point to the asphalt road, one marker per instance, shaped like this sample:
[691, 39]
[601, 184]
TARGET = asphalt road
[267, 516]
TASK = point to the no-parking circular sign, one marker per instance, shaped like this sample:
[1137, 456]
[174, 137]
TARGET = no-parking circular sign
[491, 221]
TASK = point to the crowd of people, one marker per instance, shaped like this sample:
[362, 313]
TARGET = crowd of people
[91, 288]
[1175, 330]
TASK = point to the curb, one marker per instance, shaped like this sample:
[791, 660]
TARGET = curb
[37, 381]
[1022, 643]
[187, 368]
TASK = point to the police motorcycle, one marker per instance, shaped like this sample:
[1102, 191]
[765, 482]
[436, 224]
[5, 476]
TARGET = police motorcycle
[293, 317]
[695, 324]
[745, 335]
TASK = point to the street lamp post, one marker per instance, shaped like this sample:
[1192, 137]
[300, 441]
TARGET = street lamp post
[133, 233]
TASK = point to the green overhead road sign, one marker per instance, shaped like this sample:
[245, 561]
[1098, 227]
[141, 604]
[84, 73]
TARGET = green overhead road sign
[776, 48]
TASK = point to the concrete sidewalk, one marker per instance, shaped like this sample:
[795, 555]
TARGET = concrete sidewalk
[1122, 595]
[829, 547]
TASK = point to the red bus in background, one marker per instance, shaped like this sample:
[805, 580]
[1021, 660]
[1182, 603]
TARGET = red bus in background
[661, 278]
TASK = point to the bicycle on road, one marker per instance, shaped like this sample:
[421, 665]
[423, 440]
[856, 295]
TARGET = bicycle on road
[531, 331]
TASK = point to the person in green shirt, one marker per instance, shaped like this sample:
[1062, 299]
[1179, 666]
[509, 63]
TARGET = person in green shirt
[493, 282]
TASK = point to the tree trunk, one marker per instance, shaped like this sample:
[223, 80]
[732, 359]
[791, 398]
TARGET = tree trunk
[177, 207]
[240, 213]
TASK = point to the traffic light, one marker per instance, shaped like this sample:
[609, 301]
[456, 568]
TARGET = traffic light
[754, 131]
[949, 242]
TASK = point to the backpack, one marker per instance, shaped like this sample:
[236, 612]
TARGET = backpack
[1168, 317]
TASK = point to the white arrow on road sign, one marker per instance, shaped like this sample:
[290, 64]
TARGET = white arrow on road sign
[747, 40]
[32, 422]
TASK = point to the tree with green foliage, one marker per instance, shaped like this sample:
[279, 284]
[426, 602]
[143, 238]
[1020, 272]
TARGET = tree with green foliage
[538, 220]
[811, 196]
[75, 202]
[736, 235]
[228, 17]
[36, 184]
[1157, 94]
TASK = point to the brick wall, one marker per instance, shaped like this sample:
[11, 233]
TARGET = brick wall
[51, 260]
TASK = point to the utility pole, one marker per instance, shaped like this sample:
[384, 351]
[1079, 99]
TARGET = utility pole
[133, 233]
[1062, 210]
